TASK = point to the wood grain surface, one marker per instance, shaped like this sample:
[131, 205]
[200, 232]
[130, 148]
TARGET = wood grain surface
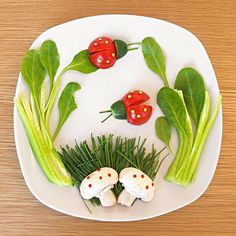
[214, 22]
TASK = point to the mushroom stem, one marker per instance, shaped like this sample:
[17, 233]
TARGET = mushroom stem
[107, 197]
[126, 199]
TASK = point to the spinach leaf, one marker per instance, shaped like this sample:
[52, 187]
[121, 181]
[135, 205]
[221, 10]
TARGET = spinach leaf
[163, 131]
[82, 63]
[191, 83]
[33, 72]
[49, 58]
[173, 108]
[66, 104]
[154, 58]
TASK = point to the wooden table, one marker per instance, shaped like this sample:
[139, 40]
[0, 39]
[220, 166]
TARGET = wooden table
[214, 22]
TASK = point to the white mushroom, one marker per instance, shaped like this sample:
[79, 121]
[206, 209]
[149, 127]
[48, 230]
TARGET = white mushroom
[136, 185]
[99, 184]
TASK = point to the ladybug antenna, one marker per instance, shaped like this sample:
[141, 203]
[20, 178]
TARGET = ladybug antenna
[107, 111]
[136, 43]
[106, 118]
[133, 44]
[130, 49]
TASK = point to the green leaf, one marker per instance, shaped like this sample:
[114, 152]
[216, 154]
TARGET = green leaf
[66, 104]
[173, 108]
[192, 85]
[33, 72]
[163, 131]
[49, 58]
[82, 63]
[154, 58]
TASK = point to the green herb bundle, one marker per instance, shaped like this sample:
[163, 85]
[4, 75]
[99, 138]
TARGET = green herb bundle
[109, 151]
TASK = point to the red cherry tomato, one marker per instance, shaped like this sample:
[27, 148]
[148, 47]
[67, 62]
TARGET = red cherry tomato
[101, 44]
[102, 52]
[103, 59]
[138, 114]
[131, 108]
[135, 97]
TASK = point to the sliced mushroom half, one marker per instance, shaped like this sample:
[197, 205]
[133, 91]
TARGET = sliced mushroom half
[136, 185]
[99, 184]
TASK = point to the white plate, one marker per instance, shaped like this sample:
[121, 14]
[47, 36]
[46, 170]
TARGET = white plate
[104, 87]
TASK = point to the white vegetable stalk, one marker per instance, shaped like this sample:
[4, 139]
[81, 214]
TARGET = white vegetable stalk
[107, 197]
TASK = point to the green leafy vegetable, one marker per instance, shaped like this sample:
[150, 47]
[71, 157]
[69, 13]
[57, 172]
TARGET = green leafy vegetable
[31, 111]
[46, 155]
[109, 151]
[49, 58]
[174, 110]
[191, 83]
[82, 63]
[79, 63]
[177, 107]
[35, 109]
[33, 73]
[197, 149]
[202, 124]
[154, 58]
[163, 131]
[188, 100]
[66, 104]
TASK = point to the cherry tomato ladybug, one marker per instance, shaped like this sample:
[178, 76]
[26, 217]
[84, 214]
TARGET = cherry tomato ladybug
[103, 51]
[131, 108]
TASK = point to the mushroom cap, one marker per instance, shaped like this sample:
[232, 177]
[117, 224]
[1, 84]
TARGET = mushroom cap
[98, 181]
[137, 183]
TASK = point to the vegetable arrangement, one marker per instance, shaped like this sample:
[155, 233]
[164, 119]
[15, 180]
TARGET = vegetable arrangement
[114, 170]
[35, 108]
[187, 102]
[84, 162]
[131, 108]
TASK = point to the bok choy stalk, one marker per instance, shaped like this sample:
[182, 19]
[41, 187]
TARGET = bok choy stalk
[175, 112]
[188, 103]
[35, 108]
[46, 155]
[189, 99]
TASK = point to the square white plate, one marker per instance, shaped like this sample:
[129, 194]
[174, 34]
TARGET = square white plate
[100, 90]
